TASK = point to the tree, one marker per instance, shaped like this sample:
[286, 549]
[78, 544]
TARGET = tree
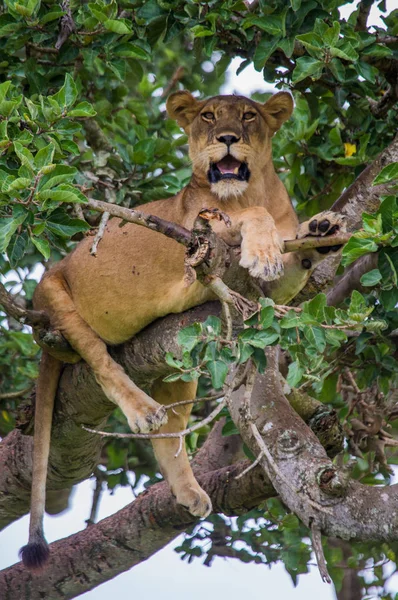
[82, 122]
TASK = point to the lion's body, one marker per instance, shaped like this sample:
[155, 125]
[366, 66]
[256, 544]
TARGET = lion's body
[138, 276]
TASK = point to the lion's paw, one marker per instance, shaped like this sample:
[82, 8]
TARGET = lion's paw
[323, 224]
[148, 420]
[194, 499]
[263, 261]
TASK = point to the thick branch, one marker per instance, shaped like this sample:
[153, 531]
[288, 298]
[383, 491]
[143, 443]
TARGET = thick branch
[359, 197]
[84, 560]
[306, 480]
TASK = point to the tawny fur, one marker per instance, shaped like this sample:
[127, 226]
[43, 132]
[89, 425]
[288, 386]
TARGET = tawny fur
[138, 276]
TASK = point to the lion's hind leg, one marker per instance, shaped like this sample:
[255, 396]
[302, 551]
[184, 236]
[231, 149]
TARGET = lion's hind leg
[142, 412]
[172, 458]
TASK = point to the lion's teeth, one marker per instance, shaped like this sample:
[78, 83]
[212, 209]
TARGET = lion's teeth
[236, 170]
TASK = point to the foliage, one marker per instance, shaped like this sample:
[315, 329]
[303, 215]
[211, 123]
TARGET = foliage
[82, 114]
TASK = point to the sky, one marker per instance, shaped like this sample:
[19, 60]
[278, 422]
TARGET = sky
[164, 573]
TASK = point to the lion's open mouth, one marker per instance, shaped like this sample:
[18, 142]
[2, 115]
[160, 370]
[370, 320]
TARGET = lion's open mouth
[228, 168]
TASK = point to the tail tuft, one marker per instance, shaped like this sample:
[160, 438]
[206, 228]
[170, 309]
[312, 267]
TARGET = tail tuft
[34, 556]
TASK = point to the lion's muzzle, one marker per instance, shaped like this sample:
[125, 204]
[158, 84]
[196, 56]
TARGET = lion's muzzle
[228, 168]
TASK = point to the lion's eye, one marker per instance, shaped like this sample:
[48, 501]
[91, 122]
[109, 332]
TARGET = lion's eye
[248, 116]
[208, 116]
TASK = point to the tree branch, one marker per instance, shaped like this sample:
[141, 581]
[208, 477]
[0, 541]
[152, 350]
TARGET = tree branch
[361, 196]
[306, 480]
[85, 560]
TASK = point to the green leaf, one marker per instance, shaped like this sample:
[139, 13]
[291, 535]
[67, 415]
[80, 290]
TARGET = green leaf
[355, 248]
[357, 304]
[8, 228]
[43, 246]
[377, 50]
[307, 66]
[189, 337]
[44, 156]
[218, 371]
[212, 325]
[295, 374]
[345, 51]
[272, 24]
[61, 174]
[332, 34]
[129, 50]
[389, 173]
[61, 193]
[63, 226]
[121, 27]
[316, 337]
[16, 248]
[24, 156]
[266, 317]
[4, 87]
[371, 278]
[68, 93]
[313, 43]
[229, 428]
[258, 339]
[263, 51]
[21, 183]
[24, 342]
[335, 337]
[316, 307]
[98, 12]
[366, 71]
[83, 109]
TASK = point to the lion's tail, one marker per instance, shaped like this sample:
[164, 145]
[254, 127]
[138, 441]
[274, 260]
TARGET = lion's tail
[36, 552]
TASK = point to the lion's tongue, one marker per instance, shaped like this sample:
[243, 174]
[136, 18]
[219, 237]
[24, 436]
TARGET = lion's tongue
[229, 164]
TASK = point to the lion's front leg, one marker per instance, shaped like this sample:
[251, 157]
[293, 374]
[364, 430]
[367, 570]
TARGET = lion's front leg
[261, 244]
[298, 266]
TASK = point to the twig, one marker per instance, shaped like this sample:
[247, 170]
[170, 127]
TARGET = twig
[353, 382]
[41, 49]
[29, 317]
[177, 454]
[100, 233]
[228, 389]
[227, 319]
[17, 394]
[161, 436]
[317, 548]
[251, 466]
[96, 498]
[308, 243]
[194, 401]
[172, 230]
[177, 75]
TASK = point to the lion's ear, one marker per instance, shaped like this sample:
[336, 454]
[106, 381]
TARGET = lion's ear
[278, 109]
[183, 107]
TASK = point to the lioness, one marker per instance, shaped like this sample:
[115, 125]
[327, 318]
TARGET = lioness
[138, 276]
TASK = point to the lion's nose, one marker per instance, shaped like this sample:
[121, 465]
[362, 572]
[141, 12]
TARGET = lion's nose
[228, 139]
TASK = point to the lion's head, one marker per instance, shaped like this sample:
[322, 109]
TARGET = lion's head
[229, 137]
